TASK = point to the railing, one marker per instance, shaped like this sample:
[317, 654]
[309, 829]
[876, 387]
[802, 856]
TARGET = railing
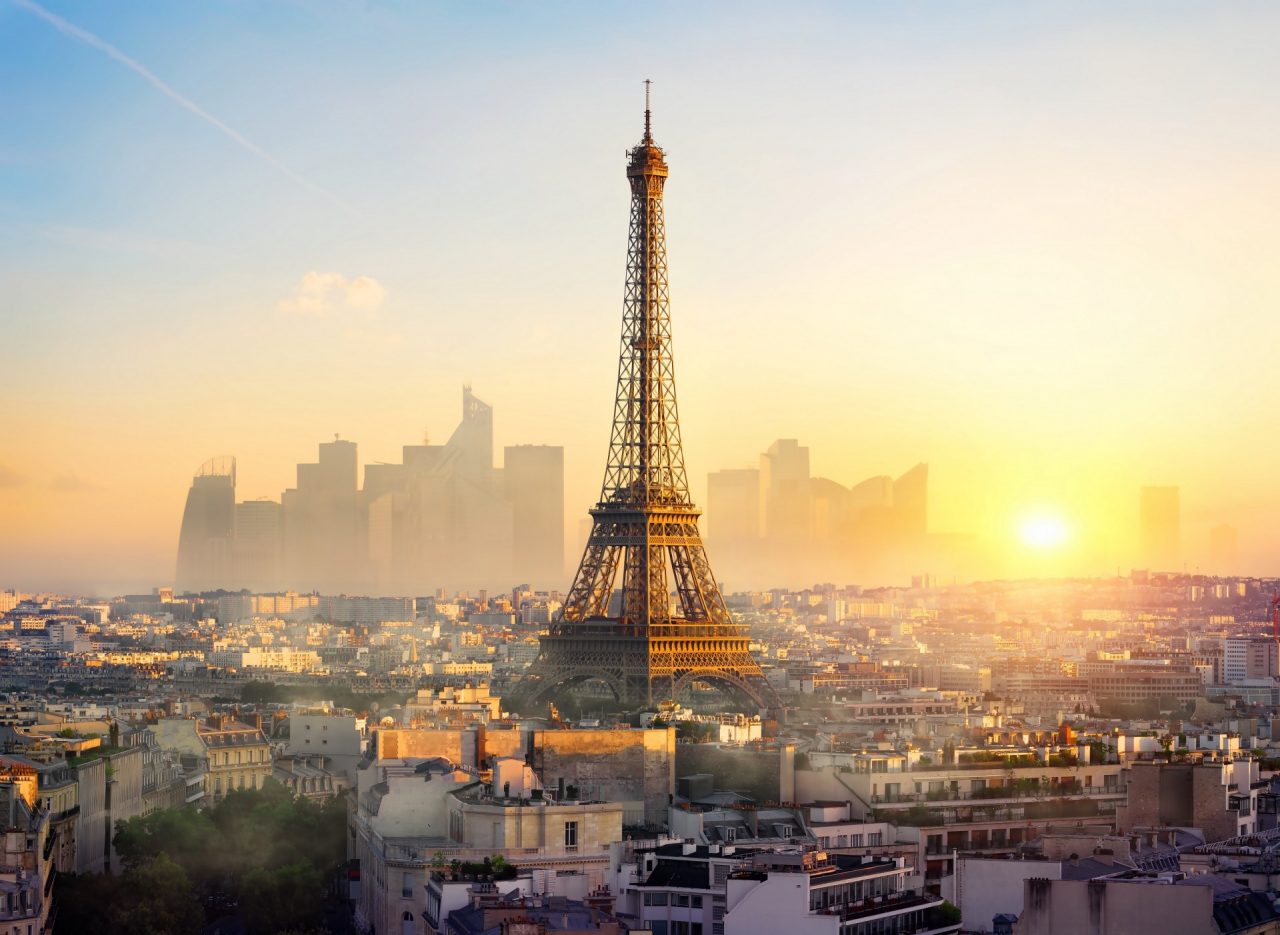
[424, 855]
[893, 902]
[1005, 794]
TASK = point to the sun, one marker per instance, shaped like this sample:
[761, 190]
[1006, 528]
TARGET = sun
[1043, 531]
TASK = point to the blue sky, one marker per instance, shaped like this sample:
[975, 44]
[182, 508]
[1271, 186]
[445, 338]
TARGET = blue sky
[1029, 243]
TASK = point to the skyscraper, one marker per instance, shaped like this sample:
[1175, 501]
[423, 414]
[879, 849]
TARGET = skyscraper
[257, 545]
[911, 503]
[785, 494]
[321, 522]
[442, 517]
[1160, 523]
[208, 528]
[534, 478]
[733, 507]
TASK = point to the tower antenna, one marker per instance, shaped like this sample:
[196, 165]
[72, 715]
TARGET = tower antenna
[648, 136]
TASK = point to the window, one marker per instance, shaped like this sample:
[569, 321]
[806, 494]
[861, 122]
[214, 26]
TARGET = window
[570, 835]
[406, 887]
[679, 899]
[874, 838]
[695, 901]
[655, 899]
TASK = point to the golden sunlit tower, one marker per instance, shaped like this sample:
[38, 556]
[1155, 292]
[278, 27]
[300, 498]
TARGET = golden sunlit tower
[649, 647]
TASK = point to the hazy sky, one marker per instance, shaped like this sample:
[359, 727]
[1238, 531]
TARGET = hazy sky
[1031, 244]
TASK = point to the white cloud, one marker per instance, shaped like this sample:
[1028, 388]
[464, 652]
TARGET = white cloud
[322, 294]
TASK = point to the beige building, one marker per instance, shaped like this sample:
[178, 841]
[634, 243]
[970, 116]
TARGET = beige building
[556, 830]
[238, 757]
[235, 755]
[453, 707]
[53, 785]
[412, 816]
[26, 865]
[633, 767]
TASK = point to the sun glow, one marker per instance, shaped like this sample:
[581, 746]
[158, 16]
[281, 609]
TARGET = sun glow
[1043, 531]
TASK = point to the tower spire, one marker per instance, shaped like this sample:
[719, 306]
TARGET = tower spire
[648, 134]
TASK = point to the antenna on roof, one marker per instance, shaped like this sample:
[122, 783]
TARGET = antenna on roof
[648, 136]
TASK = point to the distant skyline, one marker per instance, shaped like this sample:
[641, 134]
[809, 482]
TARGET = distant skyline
[1030, 246]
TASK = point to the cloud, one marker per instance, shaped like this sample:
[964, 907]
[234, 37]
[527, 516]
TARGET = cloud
[319, 295]
[83, 35]
[9, 478]
[70, 483]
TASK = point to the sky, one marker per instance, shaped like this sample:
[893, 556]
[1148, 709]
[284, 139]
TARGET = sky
[1030, 244]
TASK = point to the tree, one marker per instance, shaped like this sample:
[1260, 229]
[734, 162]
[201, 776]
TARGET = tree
[263, 847]
[285, 897]
[154, 899]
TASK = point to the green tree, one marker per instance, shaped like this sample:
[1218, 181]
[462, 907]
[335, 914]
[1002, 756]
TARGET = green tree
[165, 902]
[274, 899]
[949, 912]
[269, 850]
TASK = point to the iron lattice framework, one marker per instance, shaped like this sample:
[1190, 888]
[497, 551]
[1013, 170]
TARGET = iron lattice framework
[649, 647]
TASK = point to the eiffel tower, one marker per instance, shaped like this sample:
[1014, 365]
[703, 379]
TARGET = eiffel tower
[651, 648]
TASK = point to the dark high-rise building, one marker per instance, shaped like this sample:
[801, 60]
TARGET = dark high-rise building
[534, 478]
[1160, 523]
[208, 528]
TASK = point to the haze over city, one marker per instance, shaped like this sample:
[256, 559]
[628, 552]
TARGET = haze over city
[1029, 247]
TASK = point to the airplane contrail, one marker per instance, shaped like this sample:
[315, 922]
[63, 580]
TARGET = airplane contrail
[89, 39]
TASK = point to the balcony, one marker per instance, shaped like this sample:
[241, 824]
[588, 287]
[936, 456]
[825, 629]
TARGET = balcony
[997, 795]
[879, 905]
